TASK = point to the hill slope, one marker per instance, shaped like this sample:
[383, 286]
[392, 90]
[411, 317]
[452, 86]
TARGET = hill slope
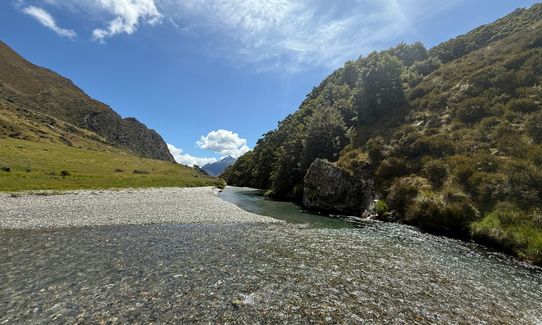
[452, 136]
[54, 137]
[37, 99]
[28, 165]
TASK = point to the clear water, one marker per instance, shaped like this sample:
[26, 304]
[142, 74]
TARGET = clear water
[260, 273]
[252, 200]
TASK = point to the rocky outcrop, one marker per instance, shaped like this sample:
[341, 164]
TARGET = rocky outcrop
[329, 188]
[127, 133]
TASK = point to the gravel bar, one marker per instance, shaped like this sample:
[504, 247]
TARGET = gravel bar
[121, 207]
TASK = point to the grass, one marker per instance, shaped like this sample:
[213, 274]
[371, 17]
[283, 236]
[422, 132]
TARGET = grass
[513, 230]
[53, 166]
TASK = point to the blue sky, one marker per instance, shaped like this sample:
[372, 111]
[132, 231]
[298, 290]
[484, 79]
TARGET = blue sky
[211, 76]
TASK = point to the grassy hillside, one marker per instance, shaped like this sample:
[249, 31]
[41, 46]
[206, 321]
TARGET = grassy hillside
[39, 95]
[30, 165]
[453, 135]
[54, 137]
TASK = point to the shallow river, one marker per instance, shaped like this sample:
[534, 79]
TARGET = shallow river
[327, 272]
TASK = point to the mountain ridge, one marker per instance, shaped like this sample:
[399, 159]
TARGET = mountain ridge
[30, 91]
[218, 167]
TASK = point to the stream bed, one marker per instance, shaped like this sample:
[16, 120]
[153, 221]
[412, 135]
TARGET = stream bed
[316, 271]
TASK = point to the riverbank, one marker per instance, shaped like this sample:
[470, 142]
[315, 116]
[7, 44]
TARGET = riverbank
[121, 207]
[210, 262]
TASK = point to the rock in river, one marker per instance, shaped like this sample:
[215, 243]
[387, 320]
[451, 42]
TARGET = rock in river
[332, 189]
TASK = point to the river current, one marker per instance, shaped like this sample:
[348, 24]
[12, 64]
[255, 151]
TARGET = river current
[312, 269]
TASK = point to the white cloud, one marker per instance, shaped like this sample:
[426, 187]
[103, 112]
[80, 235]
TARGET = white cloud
[128, 15]
[227, 143]
[187, 159]
[117, 16]
[47, 20]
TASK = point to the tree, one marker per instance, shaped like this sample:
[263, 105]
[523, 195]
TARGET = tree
[381, 88]
[326, 136]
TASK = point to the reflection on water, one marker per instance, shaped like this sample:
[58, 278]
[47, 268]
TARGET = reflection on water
[252, 200]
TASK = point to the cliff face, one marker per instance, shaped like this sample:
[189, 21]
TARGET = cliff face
[40, 94]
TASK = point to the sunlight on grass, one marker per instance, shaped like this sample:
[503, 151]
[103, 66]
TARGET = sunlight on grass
[26, 165]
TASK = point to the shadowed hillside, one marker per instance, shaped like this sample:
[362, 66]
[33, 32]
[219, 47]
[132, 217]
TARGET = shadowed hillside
[452, 136]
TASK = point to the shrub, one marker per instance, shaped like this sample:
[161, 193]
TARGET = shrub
[381, 208]
[352, 159]
[5, 168]
[441, 212]
[471, 110]
[404, 190]
[535, 155]
[65, 173]
[221, 185]
[137, 171]
[434, 146]
[118, 170]
[523, 105]
[392, 167]
[436, 172]
[513, 229]
[374, 149]
[534, 127]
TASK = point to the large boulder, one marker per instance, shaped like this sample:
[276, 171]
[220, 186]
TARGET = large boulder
[329, 188]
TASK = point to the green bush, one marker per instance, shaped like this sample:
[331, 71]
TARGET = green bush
[435, 146]
[535, 155]
[442, 212]
[404, 190]
[436, 172]
[391, 168]
[534, 127]
[352, 159]
[381, 208]
[375, 149]
[471, 110]
[487, 187]
[523, 105]
[512, 229]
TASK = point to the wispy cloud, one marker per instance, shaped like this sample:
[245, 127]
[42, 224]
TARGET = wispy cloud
[265, 34]
[188, 160]
[116, 16]
[47, 20]
[296, 33]
[128, 15]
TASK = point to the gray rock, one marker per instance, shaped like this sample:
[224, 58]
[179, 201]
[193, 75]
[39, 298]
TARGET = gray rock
[329, 188]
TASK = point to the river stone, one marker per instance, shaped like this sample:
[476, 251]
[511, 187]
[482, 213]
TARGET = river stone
[330, 188]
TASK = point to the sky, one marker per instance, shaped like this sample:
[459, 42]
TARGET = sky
[212, 76]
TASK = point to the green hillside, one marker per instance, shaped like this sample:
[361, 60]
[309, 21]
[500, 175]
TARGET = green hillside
[28, 165]
[54, 137]
[453, 135]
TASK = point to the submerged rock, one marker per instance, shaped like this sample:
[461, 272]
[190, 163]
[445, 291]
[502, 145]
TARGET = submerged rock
[332, 189]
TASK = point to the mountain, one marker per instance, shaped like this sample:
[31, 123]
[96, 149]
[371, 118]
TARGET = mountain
[35, 100]
[451, 136]
[55, 137]
[217, 168]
